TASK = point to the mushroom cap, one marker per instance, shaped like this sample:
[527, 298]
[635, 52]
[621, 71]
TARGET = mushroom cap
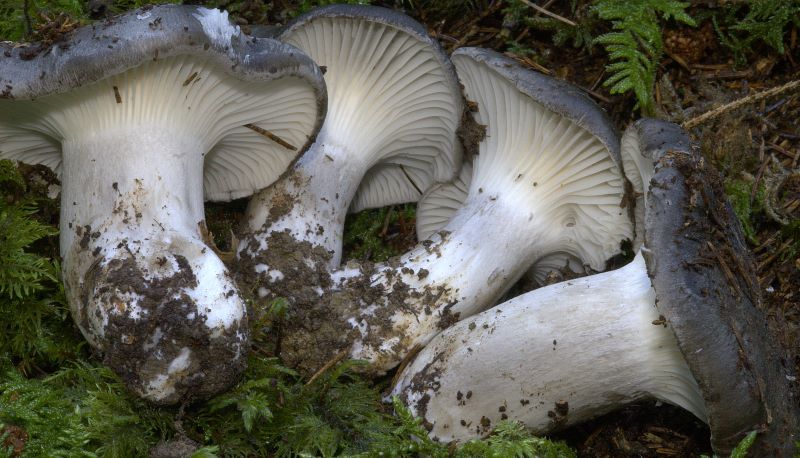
[238, 163]
[394, 98]
[706, 287]
[643, 144]
[552, 149]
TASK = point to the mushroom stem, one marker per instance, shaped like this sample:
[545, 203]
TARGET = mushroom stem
[527, 359]
[546, 182]
[379, 313]
[143, 286]
[463, 269]
[310, 202]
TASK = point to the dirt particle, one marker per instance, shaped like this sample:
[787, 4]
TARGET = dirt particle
[14, 439]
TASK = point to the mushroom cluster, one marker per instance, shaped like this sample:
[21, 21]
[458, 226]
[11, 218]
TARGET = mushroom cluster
[353, 107]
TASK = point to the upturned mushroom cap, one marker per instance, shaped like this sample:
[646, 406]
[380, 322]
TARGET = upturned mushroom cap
[706, 287]
[569, 161]
[394, 97]
[141, 116]
[440, 202]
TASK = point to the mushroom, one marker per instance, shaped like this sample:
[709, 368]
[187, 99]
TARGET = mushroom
[547, 179]
[142, 116]
[394, 107]
[678, 324]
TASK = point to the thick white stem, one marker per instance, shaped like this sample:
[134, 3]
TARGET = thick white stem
[310, 202]
[553, 357]
[461, 270]
[144, 288]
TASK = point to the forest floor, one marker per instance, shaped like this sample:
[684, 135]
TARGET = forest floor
[756, 147]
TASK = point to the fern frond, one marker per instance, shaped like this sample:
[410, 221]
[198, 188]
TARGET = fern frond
[635, 46]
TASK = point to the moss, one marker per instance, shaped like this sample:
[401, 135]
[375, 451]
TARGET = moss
[747, 208]
[364, 232]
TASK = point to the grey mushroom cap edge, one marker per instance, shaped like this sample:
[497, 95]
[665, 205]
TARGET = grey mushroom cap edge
[706, 288]
[97, 51]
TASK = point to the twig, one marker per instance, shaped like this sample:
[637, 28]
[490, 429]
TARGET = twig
[271, 136]
[335, 360]
[696, 121]
[549, 13]
[405, 362]
[27, 16]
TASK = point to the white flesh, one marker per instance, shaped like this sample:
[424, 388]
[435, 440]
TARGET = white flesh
[389, 103]
[438, 205]
[638, 170]
[590, 342]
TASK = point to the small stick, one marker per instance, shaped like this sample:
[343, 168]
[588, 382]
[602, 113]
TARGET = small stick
[271, 136]
[697, 120]
[549, 13]
[405, 362]
[335, 360]
[27, 17]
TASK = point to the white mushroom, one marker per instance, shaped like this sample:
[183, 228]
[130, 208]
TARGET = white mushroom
[394, 107]
[679, 324]
[141, 117]
[443, 200]
[546, 180]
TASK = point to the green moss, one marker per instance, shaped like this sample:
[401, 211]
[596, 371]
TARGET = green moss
[791, 232]
[363, 232]
[580, 35]
[739, 192]
[33, 313]
[743, 25]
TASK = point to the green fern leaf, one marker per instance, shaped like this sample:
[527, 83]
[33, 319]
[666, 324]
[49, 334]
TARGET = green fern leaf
[635, 47]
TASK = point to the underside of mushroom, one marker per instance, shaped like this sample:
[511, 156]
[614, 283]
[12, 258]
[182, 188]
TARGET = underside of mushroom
[680, 324]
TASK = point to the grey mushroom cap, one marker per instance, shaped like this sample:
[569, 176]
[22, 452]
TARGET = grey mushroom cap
[93, 53]
[395, 180]
[556, 95]
[706, 287]
[369, 13]
[657, 138]
[98, 51]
